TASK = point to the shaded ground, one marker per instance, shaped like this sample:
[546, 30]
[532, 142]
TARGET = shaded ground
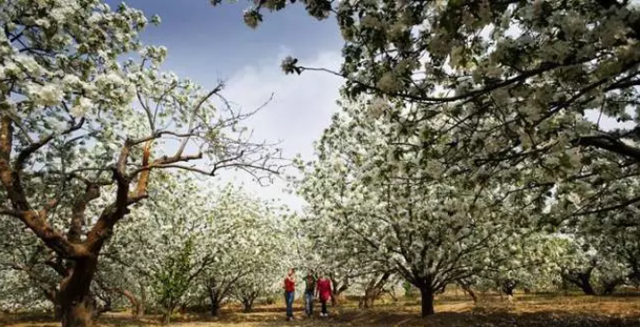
[525, 311]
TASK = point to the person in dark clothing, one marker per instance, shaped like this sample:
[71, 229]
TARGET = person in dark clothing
[310, 287]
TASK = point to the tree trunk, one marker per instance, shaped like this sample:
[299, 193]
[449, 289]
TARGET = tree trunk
[374, 289]
[609, 288]
[337, 289]
[426, 294]
[565, 286]
[467, 289]
[166, 317]
[335, 299]
[142, 302]
[216, 295]
[138, 311]
[587, 289]
[53, 296]
[585, 285]
[77, 304]
[79, 313]
[215, 308]
[136, 306]
[248, 305]
[215, 302]
[369, 301]
[582, 279]
[394, 296]
[57, 312]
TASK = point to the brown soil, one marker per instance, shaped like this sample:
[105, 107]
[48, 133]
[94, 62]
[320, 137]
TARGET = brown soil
[524, 311]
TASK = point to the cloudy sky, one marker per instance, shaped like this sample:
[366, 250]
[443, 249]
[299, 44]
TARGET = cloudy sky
[209, 43]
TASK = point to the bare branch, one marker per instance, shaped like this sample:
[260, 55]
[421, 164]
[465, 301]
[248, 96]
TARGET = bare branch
[195, 113]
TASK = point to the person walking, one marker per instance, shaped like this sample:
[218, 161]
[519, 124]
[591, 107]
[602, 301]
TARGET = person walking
[323, 291]
[310, 286]
[290, 291]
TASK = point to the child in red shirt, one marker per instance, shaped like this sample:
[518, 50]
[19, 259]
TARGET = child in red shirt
[323, 291]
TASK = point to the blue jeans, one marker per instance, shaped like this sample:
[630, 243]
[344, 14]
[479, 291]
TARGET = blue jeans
[308, 296]
[288, 299]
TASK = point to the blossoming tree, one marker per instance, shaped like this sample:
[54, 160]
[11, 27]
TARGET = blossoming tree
[397, 209]
[510, 81]
[76, 154]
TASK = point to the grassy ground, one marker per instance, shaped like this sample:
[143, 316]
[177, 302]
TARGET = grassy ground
[524, 311]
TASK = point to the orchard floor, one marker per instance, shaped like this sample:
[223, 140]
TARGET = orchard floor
[524, 311]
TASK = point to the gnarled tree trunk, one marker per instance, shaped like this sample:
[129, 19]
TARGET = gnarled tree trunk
[137, 310]
[338, 288]
[581, 279]
[78, 306]
[248, 299]
[466, 287]
[374, 289]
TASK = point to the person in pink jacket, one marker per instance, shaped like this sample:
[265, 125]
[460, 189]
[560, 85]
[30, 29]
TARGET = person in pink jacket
[323, 291]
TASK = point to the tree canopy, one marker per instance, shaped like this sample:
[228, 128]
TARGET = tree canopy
[489, 144]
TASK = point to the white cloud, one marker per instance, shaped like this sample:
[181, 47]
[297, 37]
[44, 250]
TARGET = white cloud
[301, 109]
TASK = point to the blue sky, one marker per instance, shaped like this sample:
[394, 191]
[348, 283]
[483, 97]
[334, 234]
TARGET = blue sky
[205, 41]
[209, 43]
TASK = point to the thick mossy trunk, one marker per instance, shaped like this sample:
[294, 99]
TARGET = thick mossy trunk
[76, 303]
[426, 295]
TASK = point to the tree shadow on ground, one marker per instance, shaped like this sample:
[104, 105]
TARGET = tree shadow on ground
[400, 318]
[544, 312]
[28, 319]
